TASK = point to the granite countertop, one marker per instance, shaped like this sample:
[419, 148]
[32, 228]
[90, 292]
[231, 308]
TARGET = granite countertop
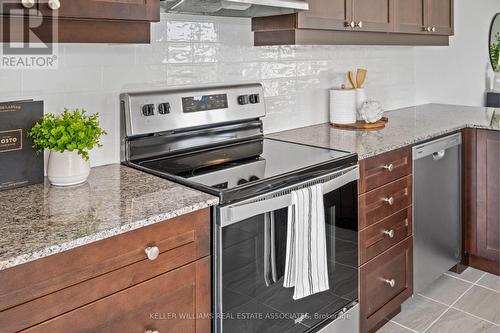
[41, 220]
[405, 127]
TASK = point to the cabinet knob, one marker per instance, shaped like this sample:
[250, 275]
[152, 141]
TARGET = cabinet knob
[389, 167]
[28, 3]
[389, 200]
[433, 29]
[151, 331]
[390, 282]
[351, 24]
[152, 252]
[428, 29]
[389, 233]
[54, 4]
[359, 24]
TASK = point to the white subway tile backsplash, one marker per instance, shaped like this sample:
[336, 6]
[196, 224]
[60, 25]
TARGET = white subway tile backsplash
[193, 50]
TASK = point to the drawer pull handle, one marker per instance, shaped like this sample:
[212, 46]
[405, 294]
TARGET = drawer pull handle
[389, 200]
[389, 167]
[151, 331]
[389, 233]
[390, 282]
[152, 252]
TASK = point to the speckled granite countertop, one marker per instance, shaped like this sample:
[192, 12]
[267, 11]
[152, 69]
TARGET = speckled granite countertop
[41, 220]
[406, 126]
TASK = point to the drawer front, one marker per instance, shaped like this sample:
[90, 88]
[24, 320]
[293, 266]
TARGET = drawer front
[385, 282]
[45, 276]
[168, 303]
[381, 236]
[383, 202]
[385, 168]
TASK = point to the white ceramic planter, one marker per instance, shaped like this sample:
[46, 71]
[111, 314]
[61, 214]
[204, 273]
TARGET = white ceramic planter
[66, 169]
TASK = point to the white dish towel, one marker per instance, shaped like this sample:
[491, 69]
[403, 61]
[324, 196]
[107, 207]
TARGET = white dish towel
[306, 266]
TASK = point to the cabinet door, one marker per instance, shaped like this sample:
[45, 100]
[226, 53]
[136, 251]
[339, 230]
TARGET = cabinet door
[488, 194]
[410, 16]
[440, 16]
[172, 302]
[135, 10]
[9, 7]
[373, 15]
[326, 14]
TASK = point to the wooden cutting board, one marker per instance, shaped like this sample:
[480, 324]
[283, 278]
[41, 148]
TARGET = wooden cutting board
[361, 125]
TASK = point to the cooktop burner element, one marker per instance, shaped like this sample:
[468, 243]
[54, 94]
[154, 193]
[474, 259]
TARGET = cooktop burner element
[212, 139]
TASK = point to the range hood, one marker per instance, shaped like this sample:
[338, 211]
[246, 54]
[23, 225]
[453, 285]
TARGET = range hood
[238, 8]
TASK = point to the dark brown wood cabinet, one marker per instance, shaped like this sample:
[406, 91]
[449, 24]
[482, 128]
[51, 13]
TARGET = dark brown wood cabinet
[133, 10]
[439, 16]
[326, 14]
[384, 22]
[482, 199]
[75, 21]
[410, 16]
[385, 236]
[373, 15]
[111, 285]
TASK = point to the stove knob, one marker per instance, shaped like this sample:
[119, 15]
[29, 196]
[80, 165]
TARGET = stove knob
[242, 181]
[254, 178]
[254, 99]
[148, 110]
[243, 100]
[164, 108]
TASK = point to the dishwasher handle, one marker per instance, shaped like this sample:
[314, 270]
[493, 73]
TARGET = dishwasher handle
[437, 148]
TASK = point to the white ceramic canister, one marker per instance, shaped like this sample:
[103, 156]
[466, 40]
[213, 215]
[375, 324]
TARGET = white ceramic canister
[67, 168]
[343, 106]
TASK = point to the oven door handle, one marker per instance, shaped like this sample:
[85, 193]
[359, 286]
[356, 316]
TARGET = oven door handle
[243, 210]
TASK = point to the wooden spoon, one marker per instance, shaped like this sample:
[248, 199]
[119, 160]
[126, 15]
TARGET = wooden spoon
[361, 77]
[350, 77]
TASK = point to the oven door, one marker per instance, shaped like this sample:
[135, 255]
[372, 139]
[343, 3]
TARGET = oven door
[250, 260]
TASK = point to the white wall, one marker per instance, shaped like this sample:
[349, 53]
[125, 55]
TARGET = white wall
[457, 74]
[195, 50]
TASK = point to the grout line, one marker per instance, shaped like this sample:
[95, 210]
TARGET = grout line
[476, 316]
[449, 307]
[459, 278]
[403, 326]
[434, 300]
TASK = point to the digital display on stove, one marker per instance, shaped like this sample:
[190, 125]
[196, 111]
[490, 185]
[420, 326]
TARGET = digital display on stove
[204, 103]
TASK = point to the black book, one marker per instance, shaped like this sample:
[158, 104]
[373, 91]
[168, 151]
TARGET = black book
[20, 165]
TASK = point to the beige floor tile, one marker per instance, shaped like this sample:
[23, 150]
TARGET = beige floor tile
[490, 281]
[391, 327]
[454, 321]
[470, 274]
[446, 289]
[481, 302]
[418, 313]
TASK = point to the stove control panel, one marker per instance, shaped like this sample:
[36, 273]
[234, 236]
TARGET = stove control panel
[150, 112]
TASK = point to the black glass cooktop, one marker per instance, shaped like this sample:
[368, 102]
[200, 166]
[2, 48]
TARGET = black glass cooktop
[239, 170]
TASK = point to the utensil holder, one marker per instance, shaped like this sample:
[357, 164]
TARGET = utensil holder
[343, 106]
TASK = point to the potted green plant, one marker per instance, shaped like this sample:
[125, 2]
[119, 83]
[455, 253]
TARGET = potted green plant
[69, 137]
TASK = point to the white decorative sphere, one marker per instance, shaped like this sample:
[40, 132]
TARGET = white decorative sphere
[371, 111]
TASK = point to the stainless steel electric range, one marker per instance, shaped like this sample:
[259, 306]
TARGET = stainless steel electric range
[211, 139]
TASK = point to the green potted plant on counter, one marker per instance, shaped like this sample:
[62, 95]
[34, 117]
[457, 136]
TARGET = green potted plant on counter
[69, 137]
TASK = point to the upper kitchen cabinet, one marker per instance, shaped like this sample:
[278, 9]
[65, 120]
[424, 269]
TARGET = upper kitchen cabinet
[373, 15]
[134, 10]
[325, 14]
[376, 22]
[76, 21]
[439, 16]
[433, 17]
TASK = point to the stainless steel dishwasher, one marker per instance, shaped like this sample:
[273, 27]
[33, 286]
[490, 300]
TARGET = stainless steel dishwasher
[437, 228]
